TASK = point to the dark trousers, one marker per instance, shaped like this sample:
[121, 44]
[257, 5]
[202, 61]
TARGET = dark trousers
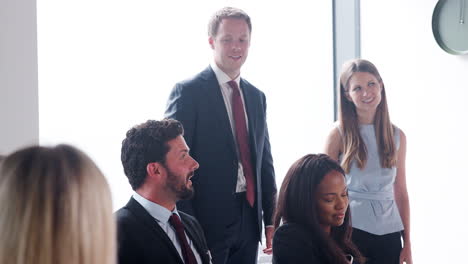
[384, 249]
[240, 245]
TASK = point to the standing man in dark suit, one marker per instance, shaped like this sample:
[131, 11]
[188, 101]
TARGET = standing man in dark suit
[159, 168]
[224, 117]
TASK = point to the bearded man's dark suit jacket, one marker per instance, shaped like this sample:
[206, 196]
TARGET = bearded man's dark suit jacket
[198, 104]
[141, 240]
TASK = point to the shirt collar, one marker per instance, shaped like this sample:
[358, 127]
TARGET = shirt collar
[158, 212]
[222, 76]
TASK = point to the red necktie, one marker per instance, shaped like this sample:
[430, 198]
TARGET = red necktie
[242, 138]
[189, 257]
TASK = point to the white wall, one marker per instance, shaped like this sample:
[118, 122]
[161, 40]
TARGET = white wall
[427, 90]
[105, 66]
[19, 117]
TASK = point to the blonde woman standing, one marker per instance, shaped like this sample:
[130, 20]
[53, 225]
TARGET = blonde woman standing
[56, 208]
[372, 152]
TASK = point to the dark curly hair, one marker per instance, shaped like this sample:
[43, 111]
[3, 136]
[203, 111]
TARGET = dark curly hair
[146, 143]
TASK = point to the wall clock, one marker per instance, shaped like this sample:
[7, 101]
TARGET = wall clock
[450, 26]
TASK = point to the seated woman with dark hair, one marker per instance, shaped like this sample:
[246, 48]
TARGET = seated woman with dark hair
[313, 207]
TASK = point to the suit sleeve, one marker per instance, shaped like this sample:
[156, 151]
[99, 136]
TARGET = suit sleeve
[181, 107]
[127, 247]
[268, 178]
[291, 245]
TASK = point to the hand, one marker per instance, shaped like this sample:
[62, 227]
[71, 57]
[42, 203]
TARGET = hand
[269, 230]
[405, 254]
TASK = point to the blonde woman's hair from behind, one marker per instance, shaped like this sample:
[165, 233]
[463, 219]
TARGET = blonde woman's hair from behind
[56, 208]
[353, 145]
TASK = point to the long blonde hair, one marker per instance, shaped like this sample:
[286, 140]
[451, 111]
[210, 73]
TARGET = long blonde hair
[56, 208]
[353, 145]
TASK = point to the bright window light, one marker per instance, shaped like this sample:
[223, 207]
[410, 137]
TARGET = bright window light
[105, 66]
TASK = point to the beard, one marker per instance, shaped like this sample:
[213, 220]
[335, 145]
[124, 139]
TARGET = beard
[178, 185]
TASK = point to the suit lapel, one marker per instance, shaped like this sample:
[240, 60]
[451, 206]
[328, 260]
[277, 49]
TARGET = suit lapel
[202, 251]
[146, 219]
[215, 98]
[193, 236]
[251, 106]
